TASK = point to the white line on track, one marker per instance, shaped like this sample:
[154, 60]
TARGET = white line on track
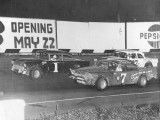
[43, 102]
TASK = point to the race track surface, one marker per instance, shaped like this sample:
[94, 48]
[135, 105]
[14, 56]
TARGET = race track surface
[58, 89]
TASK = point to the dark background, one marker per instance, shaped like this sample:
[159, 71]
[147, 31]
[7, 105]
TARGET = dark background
[83, 10]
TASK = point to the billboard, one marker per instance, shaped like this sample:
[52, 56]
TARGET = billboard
[107, 35]
[90, 35]
[143, 35]
[72, 35]
[26, 34]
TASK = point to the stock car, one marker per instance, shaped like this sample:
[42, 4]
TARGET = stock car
[137, 57]
[43, 64]
[105, 73]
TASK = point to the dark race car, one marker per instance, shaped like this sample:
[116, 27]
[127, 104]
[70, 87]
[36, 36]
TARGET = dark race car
[113, 72]
[45, 62]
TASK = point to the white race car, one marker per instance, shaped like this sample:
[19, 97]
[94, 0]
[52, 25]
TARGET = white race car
[137, 57]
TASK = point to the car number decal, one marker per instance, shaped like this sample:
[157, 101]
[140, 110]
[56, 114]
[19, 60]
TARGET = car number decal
[135, 62]
[135, 76]
[55, 67]
[123, 76]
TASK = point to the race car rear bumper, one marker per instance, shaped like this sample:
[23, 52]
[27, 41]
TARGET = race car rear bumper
[20, 70]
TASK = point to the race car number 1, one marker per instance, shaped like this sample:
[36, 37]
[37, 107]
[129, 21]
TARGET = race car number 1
[55, 67]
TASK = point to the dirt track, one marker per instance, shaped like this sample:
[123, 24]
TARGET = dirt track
[12, 83]
[60, 87]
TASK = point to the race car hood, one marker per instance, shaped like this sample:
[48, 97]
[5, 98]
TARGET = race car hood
[151, 58]
[91, 69]
[73, 59]
[111, 57]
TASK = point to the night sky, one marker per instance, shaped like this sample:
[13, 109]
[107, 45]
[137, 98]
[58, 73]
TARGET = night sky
[83, 10]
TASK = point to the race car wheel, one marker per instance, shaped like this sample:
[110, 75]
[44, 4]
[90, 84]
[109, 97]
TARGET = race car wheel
[76, 81]
[142, 82]
[36, 73]
[149, 65]
[101, 84]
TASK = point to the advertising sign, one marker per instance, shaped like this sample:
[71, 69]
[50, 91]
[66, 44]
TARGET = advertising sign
[107, 35]
[20, 33]
[90, 35]
[72, 35]
[143, 35]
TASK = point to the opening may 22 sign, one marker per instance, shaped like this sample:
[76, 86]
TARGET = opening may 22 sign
[20, 33]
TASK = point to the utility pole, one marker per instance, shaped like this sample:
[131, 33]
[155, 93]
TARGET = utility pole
[125, 34]
[56, 38]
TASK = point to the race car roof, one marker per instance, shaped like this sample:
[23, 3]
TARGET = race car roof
[123, 61]
[55, 52]
[129, 51]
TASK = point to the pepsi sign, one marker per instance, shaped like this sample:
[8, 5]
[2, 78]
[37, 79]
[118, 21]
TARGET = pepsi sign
[143, 35]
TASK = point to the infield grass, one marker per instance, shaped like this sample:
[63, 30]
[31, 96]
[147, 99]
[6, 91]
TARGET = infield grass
[137, 112]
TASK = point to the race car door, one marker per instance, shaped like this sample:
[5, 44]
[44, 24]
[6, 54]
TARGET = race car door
[55, 65]
[132, 74]
[138, 59]
[126, 75]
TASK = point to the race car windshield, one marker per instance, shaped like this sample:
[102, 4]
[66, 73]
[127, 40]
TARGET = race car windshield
[102, 64]
[42, 55]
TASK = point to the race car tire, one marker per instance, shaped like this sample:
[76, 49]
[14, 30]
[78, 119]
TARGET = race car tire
[75, 81]
[101, 84]
[142, 82]
[148, 65]
[36, 73]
